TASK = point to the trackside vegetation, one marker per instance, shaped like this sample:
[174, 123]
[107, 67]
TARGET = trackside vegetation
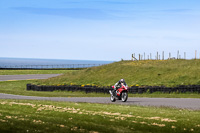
[45, 116]
[136, 73]
[28, 71]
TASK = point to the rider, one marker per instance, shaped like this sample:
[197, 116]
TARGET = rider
[119, 84]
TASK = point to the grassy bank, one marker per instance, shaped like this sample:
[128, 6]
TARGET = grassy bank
[168, 73]
[40, 116]
[20, 72]
[148, 72]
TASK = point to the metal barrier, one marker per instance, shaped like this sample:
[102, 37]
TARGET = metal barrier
[56, 66]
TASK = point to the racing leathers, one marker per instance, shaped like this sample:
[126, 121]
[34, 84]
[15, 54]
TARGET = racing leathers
[119, 85]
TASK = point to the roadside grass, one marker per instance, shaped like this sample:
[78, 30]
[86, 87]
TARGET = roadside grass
[19, 88]
[147, 72]
[47, 116]
[21, 72]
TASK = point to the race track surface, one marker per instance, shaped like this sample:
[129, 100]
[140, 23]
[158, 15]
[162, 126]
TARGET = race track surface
[26, 77]
[183, 103]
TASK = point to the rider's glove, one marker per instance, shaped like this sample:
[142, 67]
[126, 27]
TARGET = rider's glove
[115, 87]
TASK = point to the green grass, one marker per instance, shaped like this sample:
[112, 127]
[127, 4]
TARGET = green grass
[168, 73]
[45, 116]
[19, 88]
[20, 72]
[148, 72]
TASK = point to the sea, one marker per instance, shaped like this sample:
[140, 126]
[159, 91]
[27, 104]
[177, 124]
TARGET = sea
[48, 63]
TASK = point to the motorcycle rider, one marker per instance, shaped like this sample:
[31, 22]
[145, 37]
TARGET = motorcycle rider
[119, 85]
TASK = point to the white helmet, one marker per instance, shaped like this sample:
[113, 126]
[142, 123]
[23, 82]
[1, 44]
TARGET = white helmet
[122, 80]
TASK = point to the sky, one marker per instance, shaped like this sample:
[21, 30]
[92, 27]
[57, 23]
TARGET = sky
[98, 29]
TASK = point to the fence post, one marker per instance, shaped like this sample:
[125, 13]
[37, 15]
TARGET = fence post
[177, 54]
[184, 55]
[150, 56]
[157, 55]
[195, 54]
[132, 57]
[163, 55]
[139, 56]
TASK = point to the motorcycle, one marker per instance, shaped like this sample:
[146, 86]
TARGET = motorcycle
[120, 94]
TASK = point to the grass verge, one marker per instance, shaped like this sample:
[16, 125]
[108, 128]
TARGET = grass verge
[20, 72]
[45, 116]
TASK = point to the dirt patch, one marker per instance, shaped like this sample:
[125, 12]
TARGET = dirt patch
[156, 124]
[2, 120]
[38, 121]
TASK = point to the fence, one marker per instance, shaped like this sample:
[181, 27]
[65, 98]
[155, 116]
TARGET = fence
[56, 66]
[133, 89]
[162, 56]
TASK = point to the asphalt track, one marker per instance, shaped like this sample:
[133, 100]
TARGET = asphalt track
[182, 103]
[26, 77]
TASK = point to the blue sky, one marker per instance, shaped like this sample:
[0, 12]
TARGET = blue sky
[98, 29]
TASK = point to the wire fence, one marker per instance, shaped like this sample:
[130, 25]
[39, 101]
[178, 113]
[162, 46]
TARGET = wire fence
[55, 66]
[163, 56]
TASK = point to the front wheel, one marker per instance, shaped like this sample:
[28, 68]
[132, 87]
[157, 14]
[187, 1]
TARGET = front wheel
[124, 96]
[112, 98]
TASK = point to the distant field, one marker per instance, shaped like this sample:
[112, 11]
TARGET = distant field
[148, 72]
[45, 116]
[20, 72]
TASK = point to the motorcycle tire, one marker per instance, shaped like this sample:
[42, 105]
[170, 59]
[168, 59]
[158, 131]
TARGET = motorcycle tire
[124, 96]
[112, 98]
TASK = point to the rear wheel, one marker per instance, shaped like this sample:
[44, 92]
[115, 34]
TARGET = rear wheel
[124, 96]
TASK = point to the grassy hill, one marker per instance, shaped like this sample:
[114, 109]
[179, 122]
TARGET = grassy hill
[148, 72]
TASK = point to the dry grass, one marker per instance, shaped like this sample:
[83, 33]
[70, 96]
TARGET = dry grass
[41, 116]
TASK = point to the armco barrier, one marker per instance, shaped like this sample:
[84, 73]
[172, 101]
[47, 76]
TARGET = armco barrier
[132, 89]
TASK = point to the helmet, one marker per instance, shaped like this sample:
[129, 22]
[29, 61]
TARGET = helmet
[122, 80]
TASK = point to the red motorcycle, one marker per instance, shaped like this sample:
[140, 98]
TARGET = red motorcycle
[120, 94]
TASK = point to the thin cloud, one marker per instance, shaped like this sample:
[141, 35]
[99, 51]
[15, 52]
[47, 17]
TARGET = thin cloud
[119, 2]
[105, 2]
[78, 13]
[176, 10]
